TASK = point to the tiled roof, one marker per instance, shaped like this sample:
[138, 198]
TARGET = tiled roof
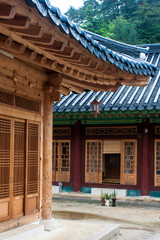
[107, 50]
[125, 98]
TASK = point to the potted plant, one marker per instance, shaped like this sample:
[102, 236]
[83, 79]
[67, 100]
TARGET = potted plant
[114, 194]
[107, 197]
[102, 198]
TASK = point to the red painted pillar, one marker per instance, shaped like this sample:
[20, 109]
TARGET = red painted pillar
[145, 162]
[77, 157]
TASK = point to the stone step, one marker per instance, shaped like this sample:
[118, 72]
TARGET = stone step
[26, 232]
[106, 233]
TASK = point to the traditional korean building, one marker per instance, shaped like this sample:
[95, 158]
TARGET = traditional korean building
[120, 149]
[43, 55]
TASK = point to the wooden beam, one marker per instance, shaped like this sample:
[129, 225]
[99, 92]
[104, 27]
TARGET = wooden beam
[64, 90]
[17, 21]
[7, 11]
[64, 65]
[86, 85]
[72, 87]
[46, 39]
[22, 69]
[32, 30]
[55, 47]
[76, 57]
[68, 52]
[39, 50]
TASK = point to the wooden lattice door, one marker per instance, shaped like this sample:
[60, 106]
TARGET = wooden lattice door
[5, 169]
[61, 161]
[93, 161]
[129, 162]
[19, 168]
[32, 168]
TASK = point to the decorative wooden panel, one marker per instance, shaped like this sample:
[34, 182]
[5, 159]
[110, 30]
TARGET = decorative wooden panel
[66, 131]
[6, 98]
[19, 101]
[27, 104]
[157, 163]
[5, 147]
[129, 162]
[19, 168]
[111, 130]
[61, 161]
[112, 146]
[93, 161]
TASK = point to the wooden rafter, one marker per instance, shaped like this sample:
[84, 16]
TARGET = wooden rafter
[27, 36]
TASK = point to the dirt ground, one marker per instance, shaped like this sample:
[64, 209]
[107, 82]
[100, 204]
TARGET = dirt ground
[136, 223]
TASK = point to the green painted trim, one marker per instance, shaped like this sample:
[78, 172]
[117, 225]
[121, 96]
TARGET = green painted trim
[133, 193]
[67, 189]
[110, 117]
[85, 189]
[154, 194]
[112, 121]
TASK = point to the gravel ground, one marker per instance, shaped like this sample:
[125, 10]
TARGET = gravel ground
[135, 223]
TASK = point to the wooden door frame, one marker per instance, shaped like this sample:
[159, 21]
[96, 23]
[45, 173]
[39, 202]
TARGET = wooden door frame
[101, 157]
[122, 174]
[58, 164]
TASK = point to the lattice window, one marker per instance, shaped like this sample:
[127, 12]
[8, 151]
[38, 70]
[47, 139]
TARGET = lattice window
[111, 130]
[61, 131]
[5, 126]
[33, 156]
[61, 160]
[19, 101]
[19, 158]
[93, 161]
[129, 162]
[157, 163]
[27, 104]
[157, 130]
[7, 98]
[129, 157]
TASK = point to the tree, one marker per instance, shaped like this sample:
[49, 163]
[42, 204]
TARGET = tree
[147, 21]
[123, 31]
[130, 21]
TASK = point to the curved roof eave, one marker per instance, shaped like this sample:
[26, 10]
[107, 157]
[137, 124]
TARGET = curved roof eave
[93, 45]
[126, 98]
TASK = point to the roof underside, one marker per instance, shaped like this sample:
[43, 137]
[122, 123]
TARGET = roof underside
[37, 32]
[126, 98]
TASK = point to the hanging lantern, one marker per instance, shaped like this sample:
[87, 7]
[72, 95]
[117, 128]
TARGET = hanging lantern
[95, 107]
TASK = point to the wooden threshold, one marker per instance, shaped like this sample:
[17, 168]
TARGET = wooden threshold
[110, 180]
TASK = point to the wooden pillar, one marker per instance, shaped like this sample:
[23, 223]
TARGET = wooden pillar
[145, 162]
[77, 157]
[47, 158]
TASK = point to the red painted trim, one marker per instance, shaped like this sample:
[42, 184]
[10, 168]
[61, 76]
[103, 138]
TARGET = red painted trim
[145, 162]
[77, 157]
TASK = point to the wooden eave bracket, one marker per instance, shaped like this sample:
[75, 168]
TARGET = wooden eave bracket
[54, 87]
[55, 95]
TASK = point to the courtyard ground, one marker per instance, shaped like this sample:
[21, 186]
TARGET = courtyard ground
[136, 222]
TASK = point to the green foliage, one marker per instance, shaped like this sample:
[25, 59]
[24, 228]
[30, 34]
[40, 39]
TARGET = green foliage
[114, 194]
[123, 31]
[107, 196]
[147, 21]
[129, 21]
[102, 194]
